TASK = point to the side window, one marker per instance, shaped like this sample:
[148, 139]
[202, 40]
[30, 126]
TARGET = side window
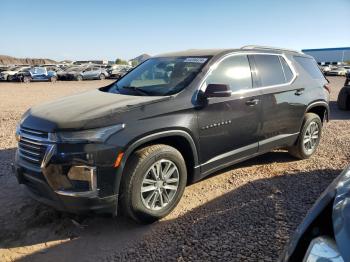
[310, 66]
[269, 70]
[233, 71]
[288, 74]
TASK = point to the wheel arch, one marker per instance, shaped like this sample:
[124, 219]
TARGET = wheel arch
[320, 108]
[179, 139]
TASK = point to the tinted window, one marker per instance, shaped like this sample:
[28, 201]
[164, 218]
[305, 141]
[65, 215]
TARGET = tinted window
[269, 70]
[286, 69]
[233, 71]
[310, 66]
[160, 76]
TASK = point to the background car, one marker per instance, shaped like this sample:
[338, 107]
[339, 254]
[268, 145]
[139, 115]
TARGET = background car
[80, 73]
[327, 68]
[93, 72]
[324, 235]
[344, 95]
[117, 71]
[10, 74]
[339, 71]
[36, 74]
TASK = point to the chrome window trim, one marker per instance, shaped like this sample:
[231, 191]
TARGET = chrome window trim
[253, 89]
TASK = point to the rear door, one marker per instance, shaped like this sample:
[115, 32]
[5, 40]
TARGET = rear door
[229, 126]
[282, 100]
[95, 72]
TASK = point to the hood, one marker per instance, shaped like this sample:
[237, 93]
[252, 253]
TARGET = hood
[91, 109]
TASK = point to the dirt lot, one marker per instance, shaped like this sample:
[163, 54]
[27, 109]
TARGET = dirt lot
[244, 213]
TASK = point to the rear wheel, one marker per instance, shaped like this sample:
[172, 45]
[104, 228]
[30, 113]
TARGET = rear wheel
[9, 78]
[79, 78]
[154, 181]
[343, 99]
[309, 137]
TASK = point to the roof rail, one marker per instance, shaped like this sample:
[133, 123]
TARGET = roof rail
[269, 48]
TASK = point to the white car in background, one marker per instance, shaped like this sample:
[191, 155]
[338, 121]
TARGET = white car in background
[9, 74]
[339, 71]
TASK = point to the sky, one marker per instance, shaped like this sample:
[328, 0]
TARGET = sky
[107, 29]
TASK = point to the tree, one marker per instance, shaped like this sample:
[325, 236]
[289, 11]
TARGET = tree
[119, 61]
[134, 63]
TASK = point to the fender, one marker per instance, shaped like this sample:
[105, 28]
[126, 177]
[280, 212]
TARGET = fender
[319, 103]
[150, 138]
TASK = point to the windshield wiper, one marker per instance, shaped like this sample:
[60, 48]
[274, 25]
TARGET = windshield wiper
[133, 88]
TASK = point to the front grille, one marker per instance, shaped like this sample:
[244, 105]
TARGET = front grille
[32, 145]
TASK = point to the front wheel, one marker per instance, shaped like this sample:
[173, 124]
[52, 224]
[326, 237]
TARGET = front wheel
[102, 77]
[309, 137]
[79, 78]
[154, 181]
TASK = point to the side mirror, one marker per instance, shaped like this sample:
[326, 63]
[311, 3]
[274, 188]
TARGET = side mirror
[217, 90]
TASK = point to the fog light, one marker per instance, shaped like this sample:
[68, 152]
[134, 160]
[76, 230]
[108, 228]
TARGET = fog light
[85, 174]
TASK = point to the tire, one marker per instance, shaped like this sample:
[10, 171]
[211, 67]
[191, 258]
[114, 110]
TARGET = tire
[9, 78]
[102, 77]
[53, 79]
[135, 204]
[302, 149]
[343, 101]
[26, 79]
[79, 78]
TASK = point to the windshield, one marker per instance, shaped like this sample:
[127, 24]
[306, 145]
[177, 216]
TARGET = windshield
[160, 76]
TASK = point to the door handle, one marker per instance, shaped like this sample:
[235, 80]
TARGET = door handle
[252, 102]
[299, 92]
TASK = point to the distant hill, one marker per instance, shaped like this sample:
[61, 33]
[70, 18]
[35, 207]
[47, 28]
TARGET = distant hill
[9, 60]
[140, 58]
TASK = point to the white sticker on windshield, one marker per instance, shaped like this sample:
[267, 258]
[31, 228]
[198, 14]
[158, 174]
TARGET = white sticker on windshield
[200, 60]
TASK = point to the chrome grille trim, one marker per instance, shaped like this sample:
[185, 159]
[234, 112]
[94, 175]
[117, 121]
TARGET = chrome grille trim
[34, 138]
[28, 157]
[36, 142]
[29, 152]
[35, 132]
[34, 147]
[29, 145]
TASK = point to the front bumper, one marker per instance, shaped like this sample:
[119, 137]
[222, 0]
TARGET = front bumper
[50, 184]
[41, 191]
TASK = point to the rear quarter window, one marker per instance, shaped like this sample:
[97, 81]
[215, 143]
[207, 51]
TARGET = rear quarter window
[310, 66]
[269, 70]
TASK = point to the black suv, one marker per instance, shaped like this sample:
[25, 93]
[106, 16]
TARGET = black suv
[172, 120]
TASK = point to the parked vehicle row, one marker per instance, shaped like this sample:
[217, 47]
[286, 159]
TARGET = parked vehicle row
[25, 73]
[333, 70]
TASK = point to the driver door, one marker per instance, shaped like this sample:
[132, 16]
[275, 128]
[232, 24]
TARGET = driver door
[229, 126]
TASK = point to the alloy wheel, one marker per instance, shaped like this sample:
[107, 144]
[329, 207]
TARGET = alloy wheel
[160, 184]
[311, 137]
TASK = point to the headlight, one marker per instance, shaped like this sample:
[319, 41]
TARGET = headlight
[91, 135]
[323, 249]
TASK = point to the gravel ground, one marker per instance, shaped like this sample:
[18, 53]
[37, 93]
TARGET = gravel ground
[243, 213]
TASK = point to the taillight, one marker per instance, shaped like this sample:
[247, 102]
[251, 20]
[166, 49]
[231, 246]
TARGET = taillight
[327, 87]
